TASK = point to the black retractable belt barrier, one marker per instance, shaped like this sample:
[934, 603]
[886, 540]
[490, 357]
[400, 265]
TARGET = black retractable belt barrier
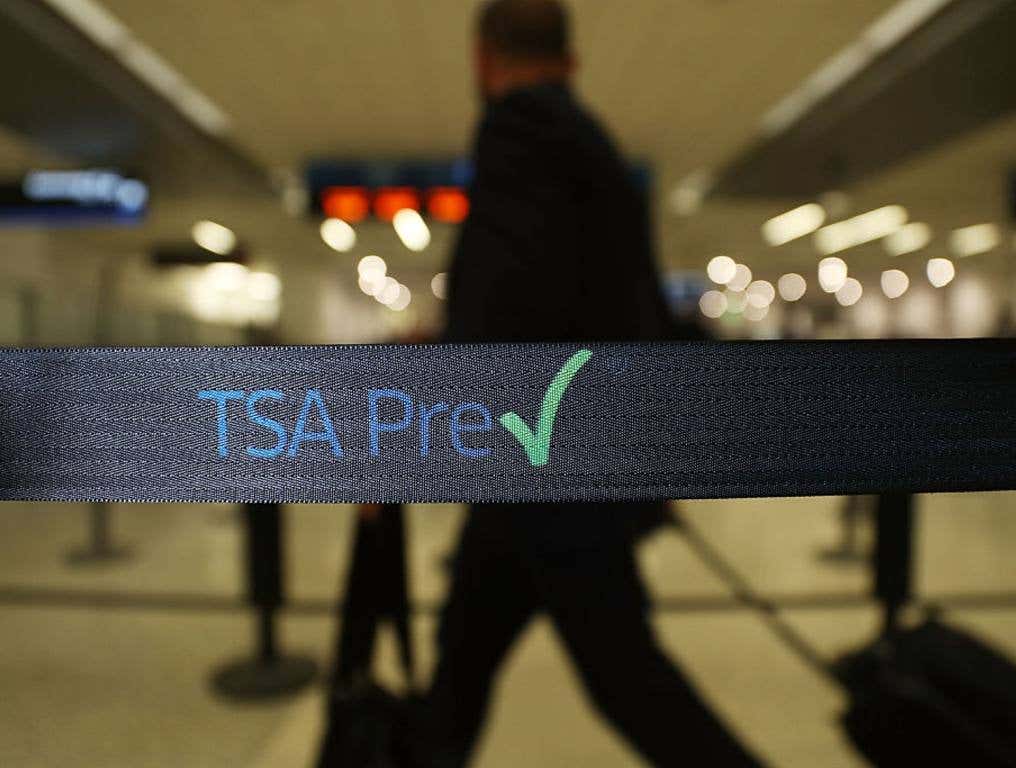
[518, 423]
[533, 422]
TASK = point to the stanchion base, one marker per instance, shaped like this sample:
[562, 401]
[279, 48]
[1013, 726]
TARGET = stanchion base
[256, 679]
[98, 556]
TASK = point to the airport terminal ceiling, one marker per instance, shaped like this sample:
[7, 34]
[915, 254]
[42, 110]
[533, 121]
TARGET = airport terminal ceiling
[293, 86]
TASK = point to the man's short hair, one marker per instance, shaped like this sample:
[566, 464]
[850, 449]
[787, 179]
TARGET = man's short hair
[526, 29]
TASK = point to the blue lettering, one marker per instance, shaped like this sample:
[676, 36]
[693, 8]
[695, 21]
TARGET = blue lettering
[458, 426]
[425, 416]
[264, 421]
[313, 399]
[377, 426]
[221, 397]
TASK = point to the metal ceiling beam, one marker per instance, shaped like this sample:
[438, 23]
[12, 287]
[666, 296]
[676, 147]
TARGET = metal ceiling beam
[64, 92]
[951, 75]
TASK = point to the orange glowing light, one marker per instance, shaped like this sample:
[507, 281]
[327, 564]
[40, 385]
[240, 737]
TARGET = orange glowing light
[448, 204]
[390, 200]
[347, 203]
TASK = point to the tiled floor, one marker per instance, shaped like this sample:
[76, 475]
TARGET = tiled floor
[108, 665]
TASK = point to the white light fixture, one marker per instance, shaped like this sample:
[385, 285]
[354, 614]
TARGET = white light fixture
[860, 229]
[791, 286]
[741, 278]
[372, 271]
[832, 273]
[850, 292]
[105, 30]
[760, 294]
[263, 286]
[940, 272]
[370, 284]
[721, 269]
[736, 301]
[338, 235]
[973, 240]
[389, 291]
[755, 313]
[713, 304]
[402, 300]
[894, 283]
[214, 237]
[793, 224]
[439, 285]
[900, 20]
[226, 276]
[411, 229]
[371, 266]
[907, 239]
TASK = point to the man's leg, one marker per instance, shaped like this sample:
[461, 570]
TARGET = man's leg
[599, 607]
[489, 603]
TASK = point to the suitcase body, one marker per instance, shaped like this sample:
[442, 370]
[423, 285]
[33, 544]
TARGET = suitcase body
[931, 695]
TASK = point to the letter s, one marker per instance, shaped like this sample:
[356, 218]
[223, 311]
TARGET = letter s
[264, 421]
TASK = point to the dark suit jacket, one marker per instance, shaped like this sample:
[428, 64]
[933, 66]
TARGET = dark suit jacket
[557, 244]
[556, 247]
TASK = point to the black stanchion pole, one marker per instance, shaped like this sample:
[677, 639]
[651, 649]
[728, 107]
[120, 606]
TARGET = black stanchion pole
[100, 547]
[893, 556]
[848, 550]
[267, 673]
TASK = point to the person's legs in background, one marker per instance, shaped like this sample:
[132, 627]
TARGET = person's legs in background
[489, 603]
[599, 607]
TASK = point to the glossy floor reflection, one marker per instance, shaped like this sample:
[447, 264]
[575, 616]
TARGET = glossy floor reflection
[108, 665]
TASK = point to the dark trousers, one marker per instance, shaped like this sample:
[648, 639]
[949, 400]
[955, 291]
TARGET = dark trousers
[598, 606]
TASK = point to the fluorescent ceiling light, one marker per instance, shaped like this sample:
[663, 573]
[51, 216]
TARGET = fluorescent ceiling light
[105, 30]
[940, 272]
[721, 269]
[338, 235]
[832, 274]
[970, 241]
[864, 228]
[894, 283]
[793, 224]
[850, 292]
[791, 286]
[214, 237]
[907, 239]
[741, 278]
[411, 229]
[98, 24]
[894, 25]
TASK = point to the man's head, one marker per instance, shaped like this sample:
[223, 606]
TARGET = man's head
[519, 43]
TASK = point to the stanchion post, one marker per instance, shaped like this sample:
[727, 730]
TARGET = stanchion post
[893, 555]
[267, 673]
[100, 547]
[265, 589]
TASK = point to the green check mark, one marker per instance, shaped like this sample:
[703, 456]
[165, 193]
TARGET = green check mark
[537, 445]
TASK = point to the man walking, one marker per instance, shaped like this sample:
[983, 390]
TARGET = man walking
[556, 247]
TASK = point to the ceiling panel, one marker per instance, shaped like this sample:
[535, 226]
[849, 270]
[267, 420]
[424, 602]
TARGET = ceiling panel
[681, 81]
